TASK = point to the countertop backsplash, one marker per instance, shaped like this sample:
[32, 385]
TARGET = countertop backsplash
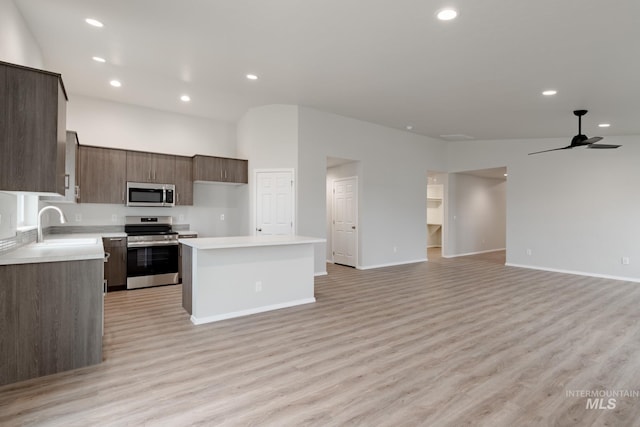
[23, 238]
[20, 239]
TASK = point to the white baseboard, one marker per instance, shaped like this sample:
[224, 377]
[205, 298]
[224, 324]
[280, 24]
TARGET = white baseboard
[577, 273]
[474, 253]
[391, 264]
[321, 273]
[209, 319]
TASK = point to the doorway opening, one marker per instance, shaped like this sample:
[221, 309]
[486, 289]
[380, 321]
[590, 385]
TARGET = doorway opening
[436, 182]
[476, 212]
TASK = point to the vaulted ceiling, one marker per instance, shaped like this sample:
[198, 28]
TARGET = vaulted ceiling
[390, 62]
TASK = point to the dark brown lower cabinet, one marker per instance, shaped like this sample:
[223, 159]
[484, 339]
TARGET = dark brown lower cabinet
[51, 316]
[115, 266]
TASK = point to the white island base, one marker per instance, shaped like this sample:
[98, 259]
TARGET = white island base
[226, 277]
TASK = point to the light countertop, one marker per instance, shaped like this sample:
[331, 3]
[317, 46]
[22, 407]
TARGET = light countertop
[248, 241]
[57, 249]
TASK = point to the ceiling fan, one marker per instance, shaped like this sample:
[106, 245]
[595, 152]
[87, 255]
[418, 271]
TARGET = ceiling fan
[581, 140]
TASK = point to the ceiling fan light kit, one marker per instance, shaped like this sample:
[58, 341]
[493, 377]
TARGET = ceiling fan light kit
[581, 140]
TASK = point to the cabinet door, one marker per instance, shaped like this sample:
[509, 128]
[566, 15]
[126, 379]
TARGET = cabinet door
[206, 168]
[237, 171]
[115, 269]
[150, 167]
[32, 108]
[220, 169]
[101, 175]
[164, 168]
[71, 155]
[184, 181]
[139, 166]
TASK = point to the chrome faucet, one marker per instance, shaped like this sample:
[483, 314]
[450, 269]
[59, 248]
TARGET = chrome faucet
[46, 208]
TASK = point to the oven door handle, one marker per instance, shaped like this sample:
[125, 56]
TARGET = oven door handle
[149, 244]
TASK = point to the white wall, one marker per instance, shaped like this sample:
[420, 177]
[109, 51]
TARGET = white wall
[116, 125]
[476, 214]
[17, 46]
[577, 210]
[394, 166]
[345, 170]
[268, 138]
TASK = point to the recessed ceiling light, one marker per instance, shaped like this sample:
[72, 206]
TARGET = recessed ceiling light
[549, 92]
[447, 14]
[604, 125]
[94, 22]
[252, 77]
[409, 127]
[99, 59]
[506, 174]
[115, 83]
[185, 98]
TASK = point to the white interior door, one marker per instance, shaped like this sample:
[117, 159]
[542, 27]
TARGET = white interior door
[274, 203]
[345, 213]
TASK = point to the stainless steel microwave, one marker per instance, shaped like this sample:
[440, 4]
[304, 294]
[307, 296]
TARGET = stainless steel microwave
[150, 194]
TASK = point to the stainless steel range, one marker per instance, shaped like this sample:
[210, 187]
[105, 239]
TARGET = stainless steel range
[152, 251]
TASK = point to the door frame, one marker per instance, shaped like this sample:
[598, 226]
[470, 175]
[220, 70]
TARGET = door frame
[356, 215]
[254, 197]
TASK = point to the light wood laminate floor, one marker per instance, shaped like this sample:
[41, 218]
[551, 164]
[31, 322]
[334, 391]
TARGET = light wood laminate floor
[463, 341]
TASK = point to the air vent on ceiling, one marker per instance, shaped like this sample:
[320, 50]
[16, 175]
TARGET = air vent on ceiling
[456, 137]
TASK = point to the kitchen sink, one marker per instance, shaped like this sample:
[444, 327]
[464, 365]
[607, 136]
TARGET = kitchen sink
[68, 242]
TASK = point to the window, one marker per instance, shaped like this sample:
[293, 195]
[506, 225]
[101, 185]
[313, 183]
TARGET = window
[27, 210]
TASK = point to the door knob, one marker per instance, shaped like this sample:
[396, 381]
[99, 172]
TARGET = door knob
[258, 229]
[353, 227]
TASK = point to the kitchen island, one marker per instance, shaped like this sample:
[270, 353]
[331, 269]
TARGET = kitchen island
[226, 277]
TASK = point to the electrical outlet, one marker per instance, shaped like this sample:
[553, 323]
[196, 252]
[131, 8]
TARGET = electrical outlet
[625, 260]
[181, 218]
[529, 252]
[258, 286]
[221, 217]
[395, 249]
[78, 217]
[114, 218]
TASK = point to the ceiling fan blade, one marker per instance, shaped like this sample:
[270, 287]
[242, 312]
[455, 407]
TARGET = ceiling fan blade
[553, 149]
[592, 140]
[603, 146]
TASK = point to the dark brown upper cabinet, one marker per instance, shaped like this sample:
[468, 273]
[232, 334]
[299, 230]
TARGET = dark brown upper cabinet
[220, 169]
[33, 106]
[101, 175]
[184, 181]
[151, 167]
